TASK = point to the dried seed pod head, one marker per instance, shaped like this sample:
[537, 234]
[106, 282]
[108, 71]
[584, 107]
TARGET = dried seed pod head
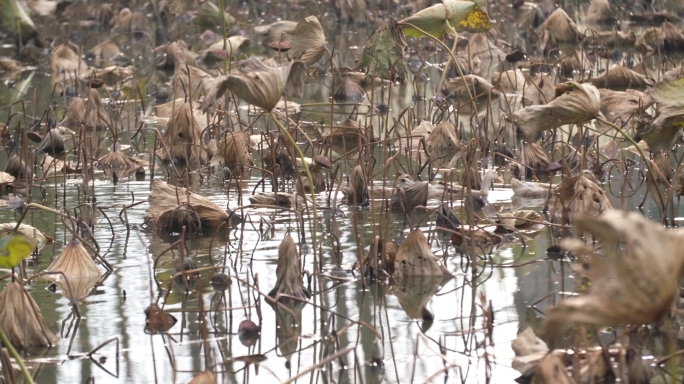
[322, 161]
[21, 320]
[220, 281]
[289, 272]
[281, 46]
[249, 333]
[157, 321]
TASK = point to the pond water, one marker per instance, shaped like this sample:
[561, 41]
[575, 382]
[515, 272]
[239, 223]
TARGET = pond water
[394, 344]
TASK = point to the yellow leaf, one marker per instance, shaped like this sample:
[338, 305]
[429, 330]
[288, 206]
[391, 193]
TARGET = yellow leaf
[14, 247]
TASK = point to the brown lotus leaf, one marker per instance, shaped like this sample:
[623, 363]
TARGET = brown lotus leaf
[117, 160]
[412, 141]
[619, 77]
[511, 81]
[318, 178]
[347, 89]
[531, 160]
[95, 111]
[75, 114]
[63, 59]
[410, 196]
[73, 262]
[233, 151]
[380, 257]
[6, 178]
[104, 52]
[288, 328]
[576, 61]
[308, 41]
[280, 199]
[165, 198]
[21, 319]
[457, 86]
[529, 350]
[289, 272]
[261, 88]
[384, 54]
[578, 104]
[600, 11]
[622, 105]
[275, 31]
[633, 276]
[176, 54]
[443, 146]
[540, 89]
[609, 39]
[183, 138]
[561, 27]
[209, 15]
[33, 235]
[519, 220]
[577, 195]
[667, 37]
[661, 131]
[415, 258]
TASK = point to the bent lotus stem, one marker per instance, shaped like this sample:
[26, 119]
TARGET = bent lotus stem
[43, 208]
[17, 358]
[308, 174]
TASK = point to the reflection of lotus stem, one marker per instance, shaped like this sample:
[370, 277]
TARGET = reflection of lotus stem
[34, 205]
[17, 358]
[451, 56]
[634, 143]
[308, 175]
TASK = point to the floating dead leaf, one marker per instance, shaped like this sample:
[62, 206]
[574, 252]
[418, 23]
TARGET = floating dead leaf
[415, 258]
[578, 104]
[633, 280]
[384, 54]
[165, 198]
[619, 77]
[289, 272]
[21, 319]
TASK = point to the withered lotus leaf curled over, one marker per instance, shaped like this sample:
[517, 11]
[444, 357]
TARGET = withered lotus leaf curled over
[579, 195]
[165, 198]
[561, 27]
[634, 274]
[384, 54]
[578, 104]
[443, 146]
[308, 41]
[619, 77]
[260, 88]
[79, 269]
[21, 319]
[415, 258]
[358, 191]
[661, 130]
[183, 138]
[289, 272]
